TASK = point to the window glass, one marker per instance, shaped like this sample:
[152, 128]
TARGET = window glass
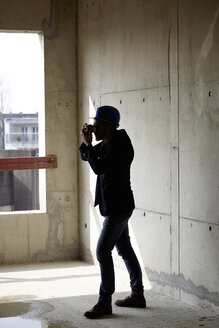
[22, 119]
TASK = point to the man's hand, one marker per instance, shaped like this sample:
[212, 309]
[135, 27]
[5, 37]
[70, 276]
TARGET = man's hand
[86, 137]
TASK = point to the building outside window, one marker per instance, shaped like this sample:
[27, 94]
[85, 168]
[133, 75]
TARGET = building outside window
[20, 131]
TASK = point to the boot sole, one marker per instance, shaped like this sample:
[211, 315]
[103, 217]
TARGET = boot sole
[132, 306]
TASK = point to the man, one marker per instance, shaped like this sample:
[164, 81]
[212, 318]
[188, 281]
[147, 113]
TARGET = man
[111, 160]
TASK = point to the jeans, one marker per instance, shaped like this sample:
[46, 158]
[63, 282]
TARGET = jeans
[115, 232]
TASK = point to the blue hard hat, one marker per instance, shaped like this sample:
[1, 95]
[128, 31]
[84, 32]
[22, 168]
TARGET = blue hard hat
[108, 114]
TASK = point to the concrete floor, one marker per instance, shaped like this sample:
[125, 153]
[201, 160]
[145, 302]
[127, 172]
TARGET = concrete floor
[56, 295]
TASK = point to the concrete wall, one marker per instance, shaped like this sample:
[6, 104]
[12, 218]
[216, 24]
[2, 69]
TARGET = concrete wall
[52, 235]
[157, 62]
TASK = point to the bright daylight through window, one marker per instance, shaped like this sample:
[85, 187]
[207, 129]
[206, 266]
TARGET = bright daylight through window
[22, 117]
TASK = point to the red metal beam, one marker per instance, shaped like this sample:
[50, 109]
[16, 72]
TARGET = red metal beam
[28, 163]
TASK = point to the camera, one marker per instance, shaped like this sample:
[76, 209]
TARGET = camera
[88, 128]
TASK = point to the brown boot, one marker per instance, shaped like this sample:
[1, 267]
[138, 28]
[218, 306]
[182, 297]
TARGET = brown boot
[99, 310]
[133, 300]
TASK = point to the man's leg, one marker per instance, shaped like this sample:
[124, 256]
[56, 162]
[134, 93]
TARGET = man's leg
[125, 250]
[113, 227]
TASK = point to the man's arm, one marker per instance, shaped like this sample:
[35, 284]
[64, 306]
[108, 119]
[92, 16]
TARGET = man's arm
[87, 141]
[92, 155]
[116, 158]
[83, 152]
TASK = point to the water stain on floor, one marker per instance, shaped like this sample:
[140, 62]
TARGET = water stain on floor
[18, 322]
[11, 316]
[14, 309]
[17, 298]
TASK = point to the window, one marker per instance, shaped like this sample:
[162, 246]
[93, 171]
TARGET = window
[22, 119]
[35, 134]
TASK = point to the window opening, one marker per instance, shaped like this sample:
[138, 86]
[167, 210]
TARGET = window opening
[22, 120]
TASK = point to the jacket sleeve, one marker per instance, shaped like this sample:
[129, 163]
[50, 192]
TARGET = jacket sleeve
[115, 157]
[91, 154]
[84, 151]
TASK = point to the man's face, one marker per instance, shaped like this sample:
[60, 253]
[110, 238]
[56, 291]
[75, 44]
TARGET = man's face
[100, 130]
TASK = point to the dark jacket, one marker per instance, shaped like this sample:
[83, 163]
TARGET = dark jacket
[111, 162]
